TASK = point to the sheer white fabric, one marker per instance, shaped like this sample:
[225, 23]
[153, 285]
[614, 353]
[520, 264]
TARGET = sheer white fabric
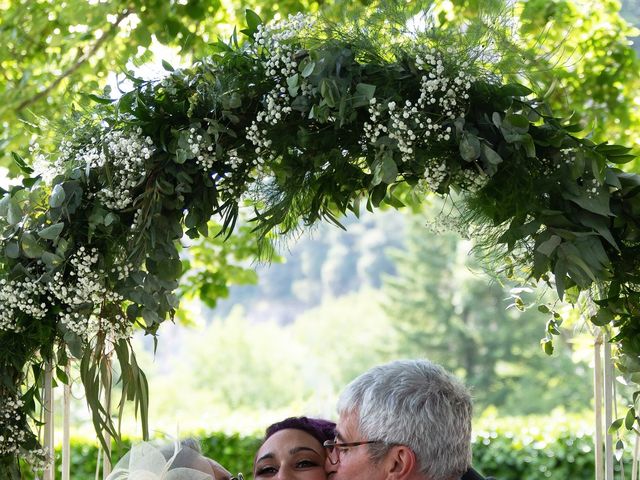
[146, 462]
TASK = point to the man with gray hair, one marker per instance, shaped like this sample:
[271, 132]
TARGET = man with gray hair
[405, 420]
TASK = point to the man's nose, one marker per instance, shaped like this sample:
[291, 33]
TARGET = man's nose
[330, 467]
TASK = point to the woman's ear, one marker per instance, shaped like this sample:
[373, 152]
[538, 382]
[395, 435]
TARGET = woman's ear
[401, 463]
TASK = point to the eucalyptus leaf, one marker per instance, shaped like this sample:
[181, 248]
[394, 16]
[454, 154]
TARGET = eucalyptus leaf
[14, 213]
[30, 246]
[469, 147]
[4, 205]
[57, 197]
[529, 146]
[308, 68]
[181, 156]
[496, 119]
[292, 84]
[547, 345]
[389, 169]
[516, 122]
[12, 250]
[74, 343]
[329, 91]
[552, 327]
[150, 316]
[548, 247]
[51, 260]
[366, 89]
[110, 218]
[630, 418]
[52, 232]
[615, 426]
[490, 155]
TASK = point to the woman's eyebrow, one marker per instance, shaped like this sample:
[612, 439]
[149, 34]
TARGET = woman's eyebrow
[295, 450]
[265, 456]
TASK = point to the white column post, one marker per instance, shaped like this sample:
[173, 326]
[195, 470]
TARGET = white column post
[66, 437]
[608, 407]
[598, 394]
[106, 469]
[636, 453]
[48, 442]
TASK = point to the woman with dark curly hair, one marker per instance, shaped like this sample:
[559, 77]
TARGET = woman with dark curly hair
[293, 450]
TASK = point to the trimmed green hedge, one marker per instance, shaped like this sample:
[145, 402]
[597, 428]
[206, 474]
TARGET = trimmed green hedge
[505, 455]
[568, 456]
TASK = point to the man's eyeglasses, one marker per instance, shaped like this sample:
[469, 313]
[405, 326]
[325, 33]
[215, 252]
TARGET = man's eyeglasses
[334, 448]
[237, 477]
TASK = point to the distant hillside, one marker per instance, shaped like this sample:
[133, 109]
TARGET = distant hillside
[325, 262]
[630, 11]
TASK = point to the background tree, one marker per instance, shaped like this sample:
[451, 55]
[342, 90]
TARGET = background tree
[446, 309]
[55, 54]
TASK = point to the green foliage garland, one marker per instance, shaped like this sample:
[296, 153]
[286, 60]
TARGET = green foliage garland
[301, 124]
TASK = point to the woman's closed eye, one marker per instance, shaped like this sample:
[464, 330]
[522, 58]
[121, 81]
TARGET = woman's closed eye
[307, 464]
[266, 471]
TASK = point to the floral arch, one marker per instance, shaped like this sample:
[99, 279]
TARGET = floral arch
[302, 123]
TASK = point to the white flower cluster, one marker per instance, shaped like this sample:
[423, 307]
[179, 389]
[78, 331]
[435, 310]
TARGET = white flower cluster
[46, 169]
[592, 187]
[68, 155]
[20, 297]
[472, 180]
[234, 160]
[291, 27]
[438, 89]
[136, 224]
[12, 433]
[38, 458]
[442, 99]
[374, 128]
[437, 171]
[123, 270]
[445, 223]
[203, 150]
[123, 156]
[279, 65]
[85, 289]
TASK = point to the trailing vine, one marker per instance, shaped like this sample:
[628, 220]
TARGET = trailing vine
[301, 123]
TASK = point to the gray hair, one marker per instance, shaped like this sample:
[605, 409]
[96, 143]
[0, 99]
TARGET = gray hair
[418, 404]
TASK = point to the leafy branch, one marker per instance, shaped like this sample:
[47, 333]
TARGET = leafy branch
[78, 63]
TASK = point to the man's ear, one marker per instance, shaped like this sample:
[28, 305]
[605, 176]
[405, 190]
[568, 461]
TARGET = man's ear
[401, 463]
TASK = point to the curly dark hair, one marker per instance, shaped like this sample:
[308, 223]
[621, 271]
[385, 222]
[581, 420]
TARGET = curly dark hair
[318, 428]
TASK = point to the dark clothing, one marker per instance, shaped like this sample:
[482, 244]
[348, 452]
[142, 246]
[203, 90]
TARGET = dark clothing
[471, 474]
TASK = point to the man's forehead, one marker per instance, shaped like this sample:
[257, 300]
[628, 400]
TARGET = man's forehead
[347, 427]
